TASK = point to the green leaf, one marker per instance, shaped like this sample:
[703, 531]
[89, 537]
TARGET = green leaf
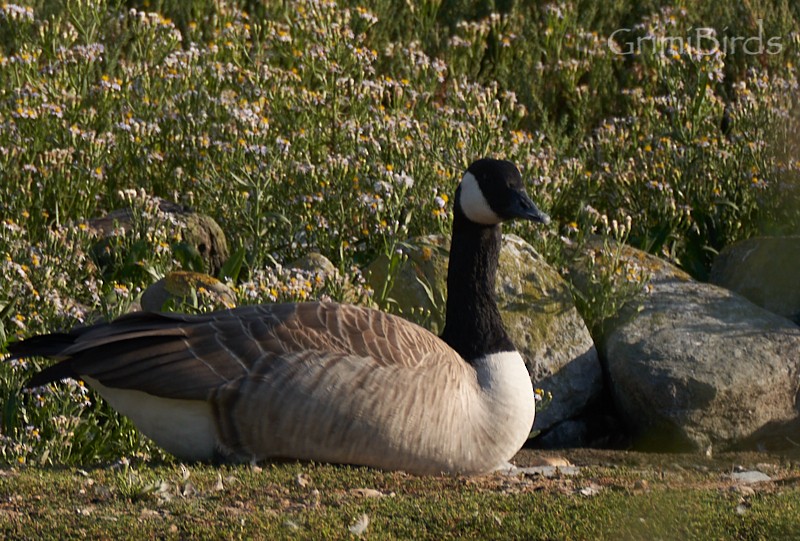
[233, 266]
[189, 257]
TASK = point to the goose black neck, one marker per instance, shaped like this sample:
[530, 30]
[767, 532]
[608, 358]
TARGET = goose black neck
[473, 326]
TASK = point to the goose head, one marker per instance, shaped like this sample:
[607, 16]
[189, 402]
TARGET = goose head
[492, 192]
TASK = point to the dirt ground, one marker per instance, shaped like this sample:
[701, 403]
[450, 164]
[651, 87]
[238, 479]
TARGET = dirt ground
[674, 470]
[635, 459]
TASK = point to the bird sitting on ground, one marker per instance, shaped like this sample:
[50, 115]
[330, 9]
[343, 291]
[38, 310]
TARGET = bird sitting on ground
[324, 381]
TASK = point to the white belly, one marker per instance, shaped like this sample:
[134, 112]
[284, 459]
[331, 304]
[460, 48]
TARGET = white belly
[184, 428]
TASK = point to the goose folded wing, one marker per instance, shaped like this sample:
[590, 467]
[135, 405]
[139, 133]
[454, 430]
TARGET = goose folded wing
[190, 356]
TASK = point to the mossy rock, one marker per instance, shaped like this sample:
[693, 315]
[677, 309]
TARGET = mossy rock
[182, 287]
[197, 235]
[420, 282]
[203, 234]
[315, 263]
[540, 316]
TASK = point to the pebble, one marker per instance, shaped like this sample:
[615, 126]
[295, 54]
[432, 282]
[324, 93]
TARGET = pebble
[750, 476]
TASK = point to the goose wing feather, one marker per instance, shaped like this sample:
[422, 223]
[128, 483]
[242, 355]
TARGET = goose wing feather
[190, 356]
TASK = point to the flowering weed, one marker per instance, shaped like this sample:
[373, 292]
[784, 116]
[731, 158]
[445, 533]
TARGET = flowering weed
[341, 128]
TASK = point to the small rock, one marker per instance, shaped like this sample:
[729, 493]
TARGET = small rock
[360, 526]
[367, 493]
[556, 461]
[641, 485]
[314, 263]
[163, 490]
[302, 480]
[178, 286]
[149, 513]
[742, 508]
[749, 477]
[767, 467]
[316, 497]
[745, 491]
[590, 491]
[545, 471]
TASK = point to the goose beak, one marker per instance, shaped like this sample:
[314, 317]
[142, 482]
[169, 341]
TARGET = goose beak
[523, 207]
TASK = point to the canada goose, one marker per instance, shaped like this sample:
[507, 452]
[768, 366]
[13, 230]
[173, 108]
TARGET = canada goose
[324, 381]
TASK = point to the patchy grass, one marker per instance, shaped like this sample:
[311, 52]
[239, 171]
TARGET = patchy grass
[342, 128]
[616, 496]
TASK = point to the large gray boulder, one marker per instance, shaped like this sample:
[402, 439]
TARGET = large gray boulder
[764, 270]
[694, 367]
[540, 316]
[537, 309]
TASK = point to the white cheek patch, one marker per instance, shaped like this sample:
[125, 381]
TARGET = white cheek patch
[474, 204]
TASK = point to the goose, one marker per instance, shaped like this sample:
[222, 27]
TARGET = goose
[322, 381]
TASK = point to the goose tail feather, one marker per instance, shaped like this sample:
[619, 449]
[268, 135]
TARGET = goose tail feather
[47, 345]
